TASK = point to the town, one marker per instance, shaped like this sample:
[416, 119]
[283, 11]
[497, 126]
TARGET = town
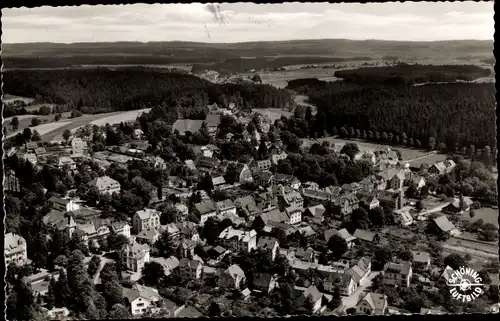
[181, 229]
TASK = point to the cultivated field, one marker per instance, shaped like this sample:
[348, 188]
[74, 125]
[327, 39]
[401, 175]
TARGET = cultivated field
[280, 79]
[273, 113]
[121, 117]
[406, 153]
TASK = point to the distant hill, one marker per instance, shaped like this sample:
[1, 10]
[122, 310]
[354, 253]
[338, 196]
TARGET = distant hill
[50, 55]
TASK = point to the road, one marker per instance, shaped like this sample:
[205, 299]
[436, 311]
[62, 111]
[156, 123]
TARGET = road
[353, 299]
[420, 157]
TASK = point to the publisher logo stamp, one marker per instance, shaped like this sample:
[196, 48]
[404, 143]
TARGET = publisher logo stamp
[465, 284]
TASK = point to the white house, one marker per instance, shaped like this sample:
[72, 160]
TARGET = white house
[135, 256]
[141, 298]
[269, 244]
[205, 210]
[225, 208]
[294, 213]
[15, 249]
[145, 219]
[190, 269]
[238, 240]
[398, 274]
[106, 185]
[372, 304]
[122, 228]
[63, 205]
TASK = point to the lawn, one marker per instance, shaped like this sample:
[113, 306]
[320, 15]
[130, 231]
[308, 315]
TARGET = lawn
[273, 113]
[7, 99]
[488, 215]
[97, 119]
[406, 153]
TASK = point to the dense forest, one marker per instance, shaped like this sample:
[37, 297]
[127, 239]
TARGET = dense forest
[413, 74]
[456, 115]
[103, 90]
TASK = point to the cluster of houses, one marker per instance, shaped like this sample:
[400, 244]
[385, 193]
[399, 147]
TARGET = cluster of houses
[278, 205]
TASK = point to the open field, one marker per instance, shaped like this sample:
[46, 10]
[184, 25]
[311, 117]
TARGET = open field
[8, 99]
[487, 214]
[406, 153]
[97, 119]
[273, 113]
[47, 125]
[490, 248]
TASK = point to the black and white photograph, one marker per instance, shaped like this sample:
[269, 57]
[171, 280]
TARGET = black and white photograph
[249, 160]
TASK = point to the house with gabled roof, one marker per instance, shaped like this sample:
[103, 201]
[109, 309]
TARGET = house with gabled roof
[458, 205]
[372, 304]
[144, 219]
[294, 214]
[15, 249]
[63, 204]
[190, 269]
[314, 295]
[354, 276]
[205, 209]
[317, 212]
[248, 205]
[445, 226]
[187, 125]
[238, 240]
[421, 260]
[106, 185]
[135, 256]
[270, 245]
[264, 282]
[366, 236]
[232, 277]
[369, 201]
[141, 298]
[398, 274]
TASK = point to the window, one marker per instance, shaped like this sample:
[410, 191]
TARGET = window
[140, 305]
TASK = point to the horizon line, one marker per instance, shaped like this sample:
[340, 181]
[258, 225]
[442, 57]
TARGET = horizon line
[243, 42]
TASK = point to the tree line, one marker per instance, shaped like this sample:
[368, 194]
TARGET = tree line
[103, 90]
[452, 116]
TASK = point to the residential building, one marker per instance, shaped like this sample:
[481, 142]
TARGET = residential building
[403, 217]
[294, 214]
[78, 146]
[225, 207]
[286, 180]
[141, 298]
[369, 201]
[190, 269]
[266, 202]
[290, 197]
[205, 210]
[15, 249]
[121, 227]
[417, 180]
[66, 161]
[233, 277]
[311, 293]
[11, 182]
[247, 205]
[218, 182]
[275, 216]
[144, 219]
[263, 165]
[442, 168]
[209, 150]
[445, 226]
[398, 274]
[148, 236]
[347, 237]
[264, 282]
[63, 205]
[421, 261]
[212, 122]
[238, 240]
[354, 276]
[278, 156]
[30, 146]
[316, 212]
[106, 185]
[366, 236]
[458, 205]
[372, 304]
[269, 244]
[135, 256]
[61, 223]
[169, 264]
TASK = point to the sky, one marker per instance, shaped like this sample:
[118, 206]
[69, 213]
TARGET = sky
[242, 22]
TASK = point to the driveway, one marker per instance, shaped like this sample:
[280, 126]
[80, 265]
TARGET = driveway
[353, 299]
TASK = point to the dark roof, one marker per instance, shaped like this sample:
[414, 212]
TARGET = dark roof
[364, 235]
[262, 279]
